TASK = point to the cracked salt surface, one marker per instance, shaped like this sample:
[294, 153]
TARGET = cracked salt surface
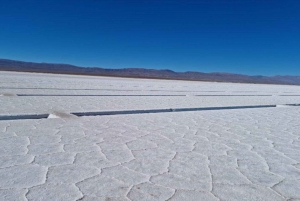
[246, 154]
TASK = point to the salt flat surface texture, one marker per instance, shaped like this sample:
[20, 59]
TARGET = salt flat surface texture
[222, 154]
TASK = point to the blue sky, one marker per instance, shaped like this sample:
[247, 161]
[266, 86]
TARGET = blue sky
[255, 37]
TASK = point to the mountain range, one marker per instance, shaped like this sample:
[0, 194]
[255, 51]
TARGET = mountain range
[21, 66]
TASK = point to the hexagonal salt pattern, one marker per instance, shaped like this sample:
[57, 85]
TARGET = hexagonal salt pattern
[246, 154]
[223, 155]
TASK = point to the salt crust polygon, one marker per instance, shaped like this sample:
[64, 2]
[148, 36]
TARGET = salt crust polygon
[247, 154]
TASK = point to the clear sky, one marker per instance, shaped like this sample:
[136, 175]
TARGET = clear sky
[255, 37]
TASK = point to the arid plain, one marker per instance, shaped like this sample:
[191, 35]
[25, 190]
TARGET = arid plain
[65, 137]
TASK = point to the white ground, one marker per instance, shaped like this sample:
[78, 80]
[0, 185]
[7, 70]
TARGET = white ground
[242, 154]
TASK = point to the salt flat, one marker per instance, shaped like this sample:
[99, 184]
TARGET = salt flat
[226, 154]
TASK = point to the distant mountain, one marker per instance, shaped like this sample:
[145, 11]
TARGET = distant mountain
[11, 65]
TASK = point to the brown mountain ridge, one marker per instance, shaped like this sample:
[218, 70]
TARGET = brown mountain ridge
[21, 66]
